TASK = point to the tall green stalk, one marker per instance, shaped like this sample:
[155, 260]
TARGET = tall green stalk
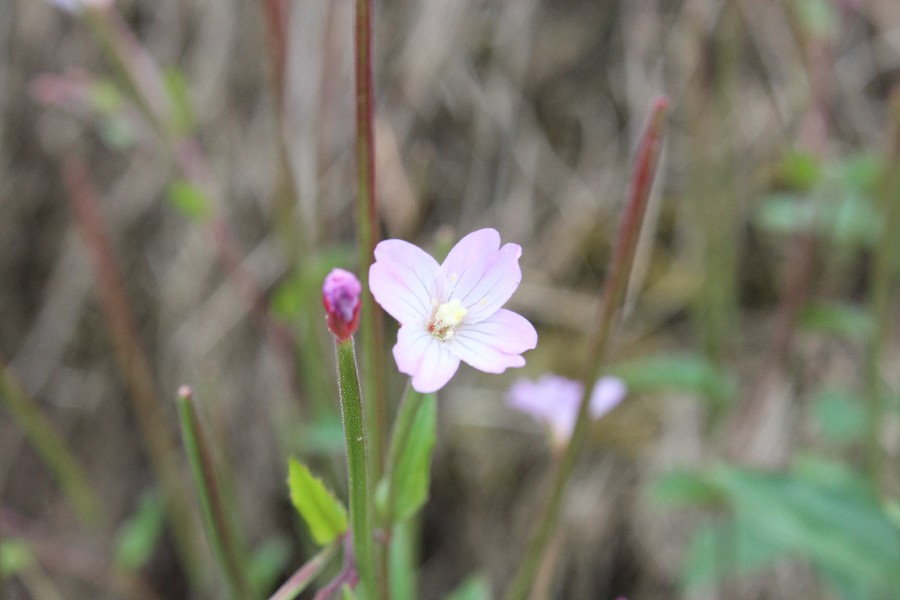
[598, 343]
[222, 536]
[357, 465]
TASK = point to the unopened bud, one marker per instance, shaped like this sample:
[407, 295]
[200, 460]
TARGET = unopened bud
[340, 295]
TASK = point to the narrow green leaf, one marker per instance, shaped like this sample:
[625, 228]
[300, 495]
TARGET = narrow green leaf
[475, 587]
[324, 514]
[189, 199]
[410, 475]
[268, 562]
[139, 535]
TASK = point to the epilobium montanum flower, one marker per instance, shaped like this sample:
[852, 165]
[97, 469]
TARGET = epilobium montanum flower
[554, 400]
[451, 312]
[340, 295]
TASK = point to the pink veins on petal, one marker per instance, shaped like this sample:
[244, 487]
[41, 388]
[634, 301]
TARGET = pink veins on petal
[451, 312]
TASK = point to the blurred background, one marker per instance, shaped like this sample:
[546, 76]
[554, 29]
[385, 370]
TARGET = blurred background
[176, 177]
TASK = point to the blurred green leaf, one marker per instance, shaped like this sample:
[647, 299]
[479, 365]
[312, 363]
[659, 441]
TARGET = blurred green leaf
[475, 587]
[182, 113]
[784, 214]
[841, 319]
[840, 416]
[288, 298]
[139, 535]
[347, 593]
[411, 474]
[686, 487]
[817, 17]
[688, 373]
[844, 531]
[15, 556]
[324, 514]
[189, 199]
[268, 562]
[105, 96]
[862, 172]
[800, 170]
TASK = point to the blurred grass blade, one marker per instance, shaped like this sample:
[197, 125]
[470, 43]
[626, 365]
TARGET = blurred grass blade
[50, 446]
[222, 536]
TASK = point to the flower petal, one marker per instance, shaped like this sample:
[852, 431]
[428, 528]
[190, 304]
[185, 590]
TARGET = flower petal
[495, 343]
[403, 281]
[480, 276]
[607, 393]
[426, 359]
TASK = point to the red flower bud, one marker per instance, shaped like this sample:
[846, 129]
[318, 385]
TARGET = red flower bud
[340, 295]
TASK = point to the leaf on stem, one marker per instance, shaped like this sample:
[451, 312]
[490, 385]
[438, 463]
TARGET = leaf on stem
[410, 474]
[324, 514]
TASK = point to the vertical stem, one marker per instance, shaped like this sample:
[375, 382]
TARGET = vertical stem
[884, 268]
[155, 434]
[367, 224]
[221, 535]
[357, 464]
[598, 343]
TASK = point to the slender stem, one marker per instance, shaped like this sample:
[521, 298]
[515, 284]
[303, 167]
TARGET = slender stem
[357, 464]
[155, 433]
[367, 225]
[51, 447]
[884, 267]
[305, 574]
[221, 535]
[598, 343]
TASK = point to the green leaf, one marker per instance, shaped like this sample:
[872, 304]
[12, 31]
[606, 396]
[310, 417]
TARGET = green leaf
[347, 593]
[784, 214]
[268, 562]
[324, 514]
[15, 556]
[182, 113]
[831, 520]
[189, 199]
[685, 487]
[410, 475]
[688, 373]
[475, 587]
[840, 319]
[138, 536]
[841, 416]
[800, 170]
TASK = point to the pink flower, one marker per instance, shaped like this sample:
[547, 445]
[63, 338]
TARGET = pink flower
[451, 312]
[554, 400]
[340, 295]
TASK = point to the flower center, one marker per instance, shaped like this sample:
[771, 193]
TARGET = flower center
[446, 319]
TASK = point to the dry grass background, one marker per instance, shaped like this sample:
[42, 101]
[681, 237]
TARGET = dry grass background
[516, 115]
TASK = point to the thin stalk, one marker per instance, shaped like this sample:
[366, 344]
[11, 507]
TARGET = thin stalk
[598, 344]
[209, 493]
[884, 269]
[152, 423]
[357, 464]
[50, 446]
[367, 230]
[305, 574]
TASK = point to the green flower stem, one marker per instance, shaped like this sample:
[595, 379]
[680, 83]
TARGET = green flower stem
[305, 574]
[357, 465]
[50, 446]
[598, 344]
[221, 535]
[367, 231]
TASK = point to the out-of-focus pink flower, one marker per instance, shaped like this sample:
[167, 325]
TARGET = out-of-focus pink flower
[76, 6]
[340, 295]
[554, 400]
[451, 312]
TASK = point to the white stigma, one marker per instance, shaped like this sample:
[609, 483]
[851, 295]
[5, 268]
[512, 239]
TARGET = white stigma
[446, 319]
